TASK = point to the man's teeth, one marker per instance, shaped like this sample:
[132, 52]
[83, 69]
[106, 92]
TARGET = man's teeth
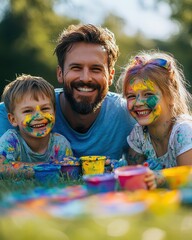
[84, 89]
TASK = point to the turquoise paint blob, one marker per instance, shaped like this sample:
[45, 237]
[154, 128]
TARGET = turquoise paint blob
[152, 101]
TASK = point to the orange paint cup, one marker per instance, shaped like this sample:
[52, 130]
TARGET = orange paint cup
[93, 164]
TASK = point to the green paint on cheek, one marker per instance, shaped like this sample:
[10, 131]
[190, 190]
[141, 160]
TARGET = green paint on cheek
[152, 101]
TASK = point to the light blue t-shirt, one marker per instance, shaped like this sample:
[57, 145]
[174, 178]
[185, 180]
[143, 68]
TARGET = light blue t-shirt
[107, 135]
[14, 148]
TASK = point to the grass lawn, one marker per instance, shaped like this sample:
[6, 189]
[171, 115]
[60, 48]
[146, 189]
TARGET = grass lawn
[162, 225]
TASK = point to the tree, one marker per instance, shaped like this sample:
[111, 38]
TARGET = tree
[28, 32]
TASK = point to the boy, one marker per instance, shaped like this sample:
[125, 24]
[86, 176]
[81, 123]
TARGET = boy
[30, 103]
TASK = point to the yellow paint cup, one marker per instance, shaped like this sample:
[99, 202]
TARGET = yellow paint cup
[93, 164]
[177, 176]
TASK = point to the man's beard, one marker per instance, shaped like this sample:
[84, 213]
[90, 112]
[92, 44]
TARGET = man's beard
[85, 106]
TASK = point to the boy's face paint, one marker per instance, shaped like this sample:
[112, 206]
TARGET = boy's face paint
[144, 101]
[35, 118]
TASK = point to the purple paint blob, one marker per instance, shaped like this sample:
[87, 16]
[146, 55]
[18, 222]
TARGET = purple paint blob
[100, 183]
[71, 172]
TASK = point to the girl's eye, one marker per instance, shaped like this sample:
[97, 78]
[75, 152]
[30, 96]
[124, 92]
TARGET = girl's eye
[148, 94]
[130, 97]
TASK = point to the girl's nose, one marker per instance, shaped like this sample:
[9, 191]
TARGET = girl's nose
[139, 101]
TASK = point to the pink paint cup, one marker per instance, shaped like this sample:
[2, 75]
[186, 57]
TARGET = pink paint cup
[131, 178]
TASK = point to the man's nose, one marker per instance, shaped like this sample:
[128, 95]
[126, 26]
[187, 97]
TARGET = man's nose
[85, 75]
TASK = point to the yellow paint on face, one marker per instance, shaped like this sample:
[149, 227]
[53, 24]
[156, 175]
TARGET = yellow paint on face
[156, 113]
[143, 85]
[46, 117]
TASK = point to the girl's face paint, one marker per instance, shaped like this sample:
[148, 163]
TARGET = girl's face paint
[145, 101]
[34, 118]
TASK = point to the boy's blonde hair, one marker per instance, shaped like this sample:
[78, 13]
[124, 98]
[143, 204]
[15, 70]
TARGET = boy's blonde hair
[165, 71]
[24, 84]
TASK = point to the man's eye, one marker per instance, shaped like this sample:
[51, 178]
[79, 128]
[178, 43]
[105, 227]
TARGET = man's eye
[96, 69]
[75, 68]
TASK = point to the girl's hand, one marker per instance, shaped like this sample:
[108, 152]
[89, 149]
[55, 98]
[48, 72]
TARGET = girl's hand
[150, 180]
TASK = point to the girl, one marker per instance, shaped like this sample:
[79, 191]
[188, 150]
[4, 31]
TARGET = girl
[155, 89]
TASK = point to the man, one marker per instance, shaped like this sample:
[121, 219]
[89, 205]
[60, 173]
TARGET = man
[94, 120]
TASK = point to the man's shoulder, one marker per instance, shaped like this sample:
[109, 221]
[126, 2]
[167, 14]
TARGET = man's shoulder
[116, 100]
[58, 91]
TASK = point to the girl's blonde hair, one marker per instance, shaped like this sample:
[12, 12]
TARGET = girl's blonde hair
[37, 86]
[167, 74]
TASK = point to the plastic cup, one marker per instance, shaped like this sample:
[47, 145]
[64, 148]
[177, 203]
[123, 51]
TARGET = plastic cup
[47, 173]
[100, 183]
[71, 168]
[131, 178]
[177, 176]
[93, 164]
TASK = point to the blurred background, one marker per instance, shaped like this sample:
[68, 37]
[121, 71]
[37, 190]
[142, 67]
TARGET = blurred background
[29, 29]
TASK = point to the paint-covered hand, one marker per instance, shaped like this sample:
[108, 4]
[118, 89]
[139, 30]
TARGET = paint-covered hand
[153, 164]
[112, 164]
[150, 180]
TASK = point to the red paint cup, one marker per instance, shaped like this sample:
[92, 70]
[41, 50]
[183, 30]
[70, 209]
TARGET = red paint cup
[131, 178]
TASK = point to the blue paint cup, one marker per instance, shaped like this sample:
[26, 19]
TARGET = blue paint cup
[100, 183]
[47, 173]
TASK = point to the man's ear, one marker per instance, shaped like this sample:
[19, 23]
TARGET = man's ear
[59, 74]
[12, 119]
[111, 75]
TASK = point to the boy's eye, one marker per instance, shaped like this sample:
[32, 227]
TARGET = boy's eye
[45, 108]
[27, 111]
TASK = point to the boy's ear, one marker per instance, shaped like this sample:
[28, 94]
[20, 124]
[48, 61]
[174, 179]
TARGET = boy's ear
[59, 74]
[12, 119]
[111, 75]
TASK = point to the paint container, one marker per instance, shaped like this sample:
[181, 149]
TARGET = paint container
[131, 178]
[93, 164]
[71, 168]
[177, 177]
[47, 173]
[100, 183]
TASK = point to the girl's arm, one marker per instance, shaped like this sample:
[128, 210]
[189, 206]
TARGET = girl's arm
[134, 158]
[185, 158]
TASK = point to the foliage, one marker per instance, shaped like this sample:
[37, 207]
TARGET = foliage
[28, 32]
[29, 28]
